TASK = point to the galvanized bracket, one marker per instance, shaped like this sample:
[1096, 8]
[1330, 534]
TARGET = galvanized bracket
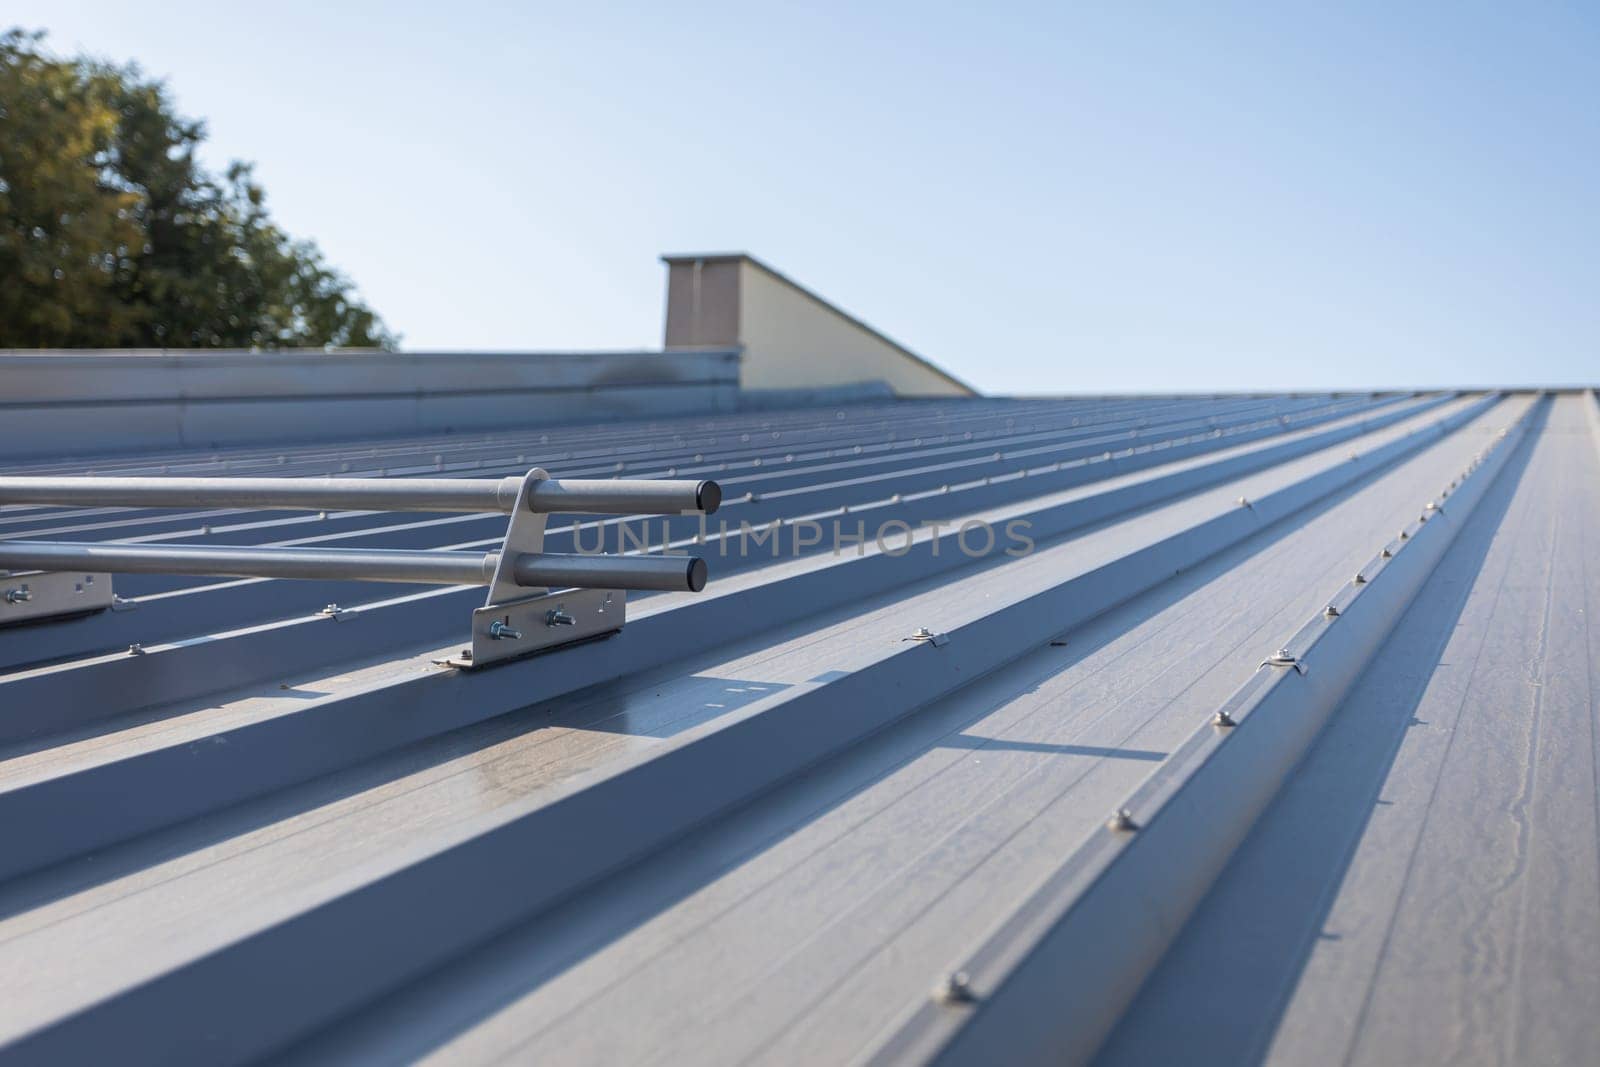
[518, 620]
[29, 595]
[524, 533]
[520, 628]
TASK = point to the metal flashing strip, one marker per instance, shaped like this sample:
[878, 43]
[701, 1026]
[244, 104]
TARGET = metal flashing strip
[1123, 896]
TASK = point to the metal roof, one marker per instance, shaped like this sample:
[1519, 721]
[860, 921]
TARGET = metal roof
[1276, 741]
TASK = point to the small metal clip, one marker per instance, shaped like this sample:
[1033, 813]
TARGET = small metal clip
[955, 988]
[1283, 658]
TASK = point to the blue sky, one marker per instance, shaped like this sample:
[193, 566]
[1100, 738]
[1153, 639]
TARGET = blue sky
[1051, 198]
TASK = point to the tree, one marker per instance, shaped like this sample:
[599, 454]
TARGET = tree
[113, 235]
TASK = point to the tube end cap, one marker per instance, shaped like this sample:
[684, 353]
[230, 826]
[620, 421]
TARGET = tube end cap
[708, 496]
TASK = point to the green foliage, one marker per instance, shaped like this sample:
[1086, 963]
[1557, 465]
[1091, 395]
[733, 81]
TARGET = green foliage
[113, 235]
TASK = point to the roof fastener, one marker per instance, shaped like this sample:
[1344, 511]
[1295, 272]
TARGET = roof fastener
[334, 612]
[1331, 612]
[1121, 822]
[1360, 579]
[1388, 553]
[1244, 502]
[136, 649]
[1223, 719]
[1283, 658]
[955, 988]
[925, 634]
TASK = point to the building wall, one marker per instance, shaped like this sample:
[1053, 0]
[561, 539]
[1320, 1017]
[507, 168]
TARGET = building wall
[703, 303]
[791, 338]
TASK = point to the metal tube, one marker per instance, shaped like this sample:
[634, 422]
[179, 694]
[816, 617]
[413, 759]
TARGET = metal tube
[634, 496]
[360, 564]
[312, 494]
[673, 573]
[624, 496]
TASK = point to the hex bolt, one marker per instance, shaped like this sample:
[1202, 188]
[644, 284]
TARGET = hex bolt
[955, 988]
[136, 649]
[1330, 612]
[500, 631]
[1122, 822]
[21, 594]
[558, 617]
[1224, 720]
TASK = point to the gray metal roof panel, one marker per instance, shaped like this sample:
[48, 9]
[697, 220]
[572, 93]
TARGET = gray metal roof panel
[759, 822]
[1426, 886]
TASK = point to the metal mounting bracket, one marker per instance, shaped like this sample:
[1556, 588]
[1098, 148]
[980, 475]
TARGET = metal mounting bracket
[29, 595]
[532, 624]
[517, 620]
[524, 533]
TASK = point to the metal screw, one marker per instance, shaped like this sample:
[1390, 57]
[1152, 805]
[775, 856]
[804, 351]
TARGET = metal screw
[1331, 612]
[1122, 822]
[19, 595]
[1361, 579]
[136, 649]
[955, 988]
[1223, 719]
[500, 631]
[558, 617]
